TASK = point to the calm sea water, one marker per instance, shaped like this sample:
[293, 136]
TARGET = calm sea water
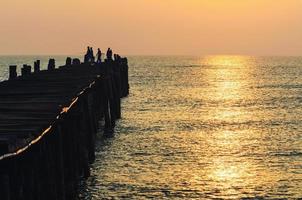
[217, 127]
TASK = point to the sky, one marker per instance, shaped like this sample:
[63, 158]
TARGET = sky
[152, 27]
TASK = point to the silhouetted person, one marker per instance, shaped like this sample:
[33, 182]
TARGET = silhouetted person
[109, 54]
[99, 56]
[91, 55]
[87, 55]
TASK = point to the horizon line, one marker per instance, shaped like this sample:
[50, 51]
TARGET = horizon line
[163, 55]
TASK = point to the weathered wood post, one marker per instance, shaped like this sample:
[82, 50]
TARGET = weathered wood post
[51, 64]
[37, 66]
[70, 153]
[4, 182]
[127, 75]
[28, 174]
[124, 68]
[12, 72]
[38, 182]
[117, 92]
[4, 187]
[111, 88]
[105, 105]
[26, 70]
[76, 61]
[59, 162]
[23, 70]
[83, 144]
[68, 61]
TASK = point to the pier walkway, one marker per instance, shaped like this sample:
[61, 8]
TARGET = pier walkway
[48, 125]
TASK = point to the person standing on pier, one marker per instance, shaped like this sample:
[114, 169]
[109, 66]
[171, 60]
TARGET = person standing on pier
[109, 54]
[86, 57]
[99, 56]
[89, 57]
[92, 58]
[88, 50]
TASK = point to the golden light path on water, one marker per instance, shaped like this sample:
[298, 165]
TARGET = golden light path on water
[225, 171]
[231, 171]
[225, 127]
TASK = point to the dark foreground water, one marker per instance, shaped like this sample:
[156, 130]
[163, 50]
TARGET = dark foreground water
[215, 127]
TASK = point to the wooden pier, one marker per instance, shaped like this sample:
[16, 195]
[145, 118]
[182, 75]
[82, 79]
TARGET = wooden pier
[48, 125]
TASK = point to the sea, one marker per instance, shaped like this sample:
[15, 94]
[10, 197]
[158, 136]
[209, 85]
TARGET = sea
[200, 127]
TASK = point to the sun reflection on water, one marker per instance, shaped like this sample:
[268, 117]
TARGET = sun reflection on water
[227, 171]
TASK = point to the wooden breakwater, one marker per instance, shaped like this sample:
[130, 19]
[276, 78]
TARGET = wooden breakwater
[48, 125]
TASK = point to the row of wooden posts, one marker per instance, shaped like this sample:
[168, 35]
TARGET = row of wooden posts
[48, 125]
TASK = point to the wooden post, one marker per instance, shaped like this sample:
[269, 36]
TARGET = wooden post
[76, 61]
[26, 70]
[12, 72]
[108, 129]
[68, 61]
[37, 66]
[51, 64]
[28, 174]
[4, 181]
[126, 74]
[4, 187]
[60, 163]
[117, 91]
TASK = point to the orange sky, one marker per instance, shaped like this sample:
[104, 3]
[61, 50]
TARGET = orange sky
[173, 27]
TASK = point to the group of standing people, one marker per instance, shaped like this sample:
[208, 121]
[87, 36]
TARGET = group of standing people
[89, 56]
